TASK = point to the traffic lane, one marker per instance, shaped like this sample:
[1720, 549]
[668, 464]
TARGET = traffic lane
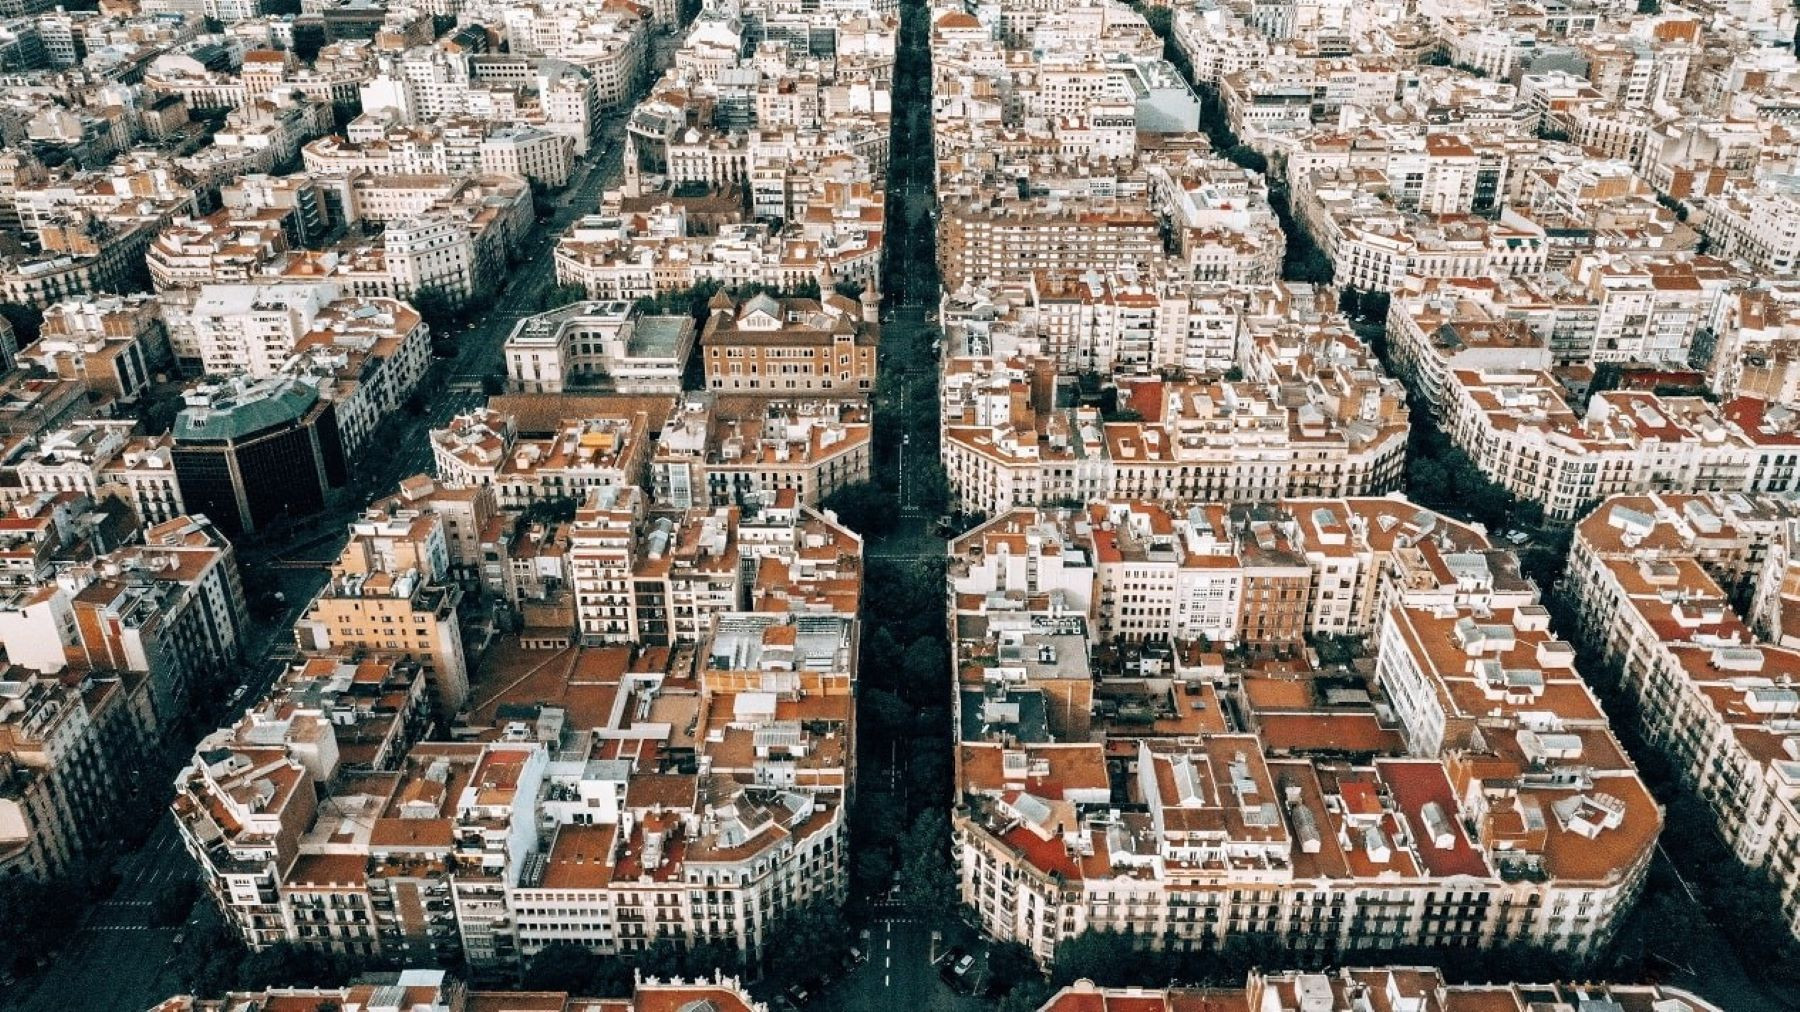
[117, 960]
[108, 968]
[898, 975]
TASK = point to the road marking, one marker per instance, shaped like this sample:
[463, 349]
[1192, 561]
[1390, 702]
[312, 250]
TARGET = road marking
[886, 981]
[888, 962]
[890, 941]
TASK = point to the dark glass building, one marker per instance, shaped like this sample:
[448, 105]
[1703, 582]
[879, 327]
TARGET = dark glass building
[248, 452]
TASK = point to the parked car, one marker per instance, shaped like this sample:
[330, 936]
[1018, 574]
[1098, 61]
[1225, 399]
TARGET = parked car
[954, 968]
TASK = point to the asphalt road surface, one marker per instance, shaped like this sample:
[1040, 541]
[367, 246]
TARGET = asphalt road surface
[518, 298]
[118, 962]
[899, 975]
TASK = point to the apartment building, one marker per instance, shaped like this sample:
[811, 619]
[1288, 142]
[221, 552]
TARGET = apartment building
[606, 448]
[560, 825]
[369, 356]
[1004, 445]
[1347, 989]
[661, 575]
[1293, 813]
[732, 450]
[663, 251]
[390, 595]
[66, 749]
[463, 145]
[1521, 432]
[169, 611]
[1375, 246]
[435, 991]
[114, 344]
[142, 474]
[253, 328]
[1758, 222]
[1625, 308]
[1149, 572]
[978, 241]
[1093, 321]
[1658, 582]
[246, 804]
[225, 247]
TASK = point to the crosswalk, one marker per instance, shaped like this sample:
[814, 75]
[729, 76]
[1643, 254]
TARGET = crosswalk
[122, 915]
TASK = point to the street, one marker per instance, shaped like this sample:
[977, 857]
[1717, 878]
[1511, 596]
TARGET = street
[899, 972]
[518, 298]
[118, 962]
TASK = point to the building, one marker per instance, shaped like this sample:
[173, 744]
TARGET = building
[1006, 442]
[1661, 584]
[733, 450]
[435, 991]
[390, 596]
[601, 346]
[249, 452]
[607, 447]
[791, 347]
[114, 344]
[559, 823]
[662, 576]
[1293, 812]
[1347, 989]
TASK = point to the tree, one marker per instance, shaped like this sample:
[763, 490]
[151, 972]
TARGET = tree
[566, 966]
[933, 495]
[554, 510]
[1247, 157]
[810, 937]
[34, 918]
[558, 296]
[173, 902]
[1649, 6]
[927, 886]
[435, 305]
[1011, 966]
[928, 772]
[25, 321]
[211, 962]
[882, 716]
[863, 507]
[667, 958]
[926, 663]
[878, 818]
[287, 964]
[880, 651]
[871, 870]
[1107, 958]
[1027, 996]
[1311, 266]
[1350, 302]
